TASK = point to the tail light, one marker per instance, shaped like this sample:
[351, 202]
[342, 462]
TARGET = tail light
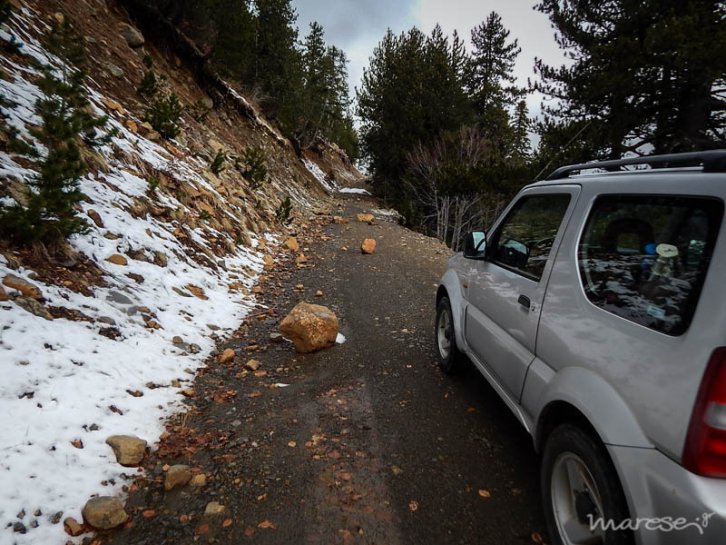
[705, 449]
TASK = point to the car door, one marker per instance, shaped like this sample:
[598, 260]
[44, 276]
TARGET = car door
[506, 289]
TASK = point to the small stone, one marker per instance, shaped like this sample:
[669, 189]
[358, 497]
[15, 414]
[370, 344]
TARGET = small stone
[56, 517]
[23, 286]
[253, 365]
[132, 36]
[318, 293]
[129, 449]
[177, 340]
[3, 294]
[113, 105]
[160, 259]
[137, 278]
[19, 528]
[194, 348]
[72, 527]
[301, 259]
[118, 297]
[188, 392]
[33, 306]
[365, 218]
[368, 246]
[292, 244]
[269, 261]
[95, 217]
[198, 480]
[114, 70]
[104, 513]
[276, 337]
[214, 508]
[196, 291]
[227, 356]
[117, 259]
[153, 324]
[177, 475]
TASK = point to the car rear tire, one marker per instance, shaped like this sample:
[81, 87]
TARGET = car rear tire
[579, 485]
[450, 359]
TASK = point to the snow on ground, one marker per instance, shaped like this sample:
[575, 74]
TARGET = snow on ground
[316, 171]
[354, 190]
[63, 381]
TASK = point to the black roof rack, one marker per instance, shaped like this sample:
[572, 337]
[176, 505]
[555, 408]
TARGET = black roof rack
[712, 161]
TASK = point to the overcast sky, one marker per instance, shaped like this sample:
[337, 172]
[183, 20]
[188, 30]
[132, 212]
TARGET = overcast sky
[357, 26]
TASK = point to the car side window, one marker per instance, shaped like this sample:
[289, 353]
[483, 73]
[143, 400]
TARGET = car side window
[524, 239]
[645, 258]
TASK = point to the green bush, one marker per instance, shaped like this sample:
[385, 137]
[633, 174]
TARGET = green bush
[254, 166]
[217, 165]
[282, 214]
[205, 216]
[148, 61]
[153, 182]
[48, 213]
[5, 10]
[149, 84]
[164, 114]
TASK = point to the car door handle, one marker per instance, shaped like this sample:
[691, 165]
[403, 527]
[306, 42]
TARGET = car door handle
[524, 301]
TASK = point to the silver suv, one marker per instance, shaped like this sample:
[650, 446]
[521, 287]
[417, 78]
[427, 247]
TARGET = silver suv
[595, 307]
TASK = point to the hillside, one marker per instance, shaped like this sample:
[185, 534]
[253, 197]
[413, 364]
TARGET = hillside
[106, 341]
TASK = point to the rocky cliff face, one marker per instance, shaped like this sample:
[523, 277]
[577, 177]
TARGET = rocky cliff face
[104, 342]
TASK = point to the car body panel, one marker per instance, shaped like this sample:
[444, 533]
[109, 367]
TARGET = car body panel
[499, 329]
[635, 386]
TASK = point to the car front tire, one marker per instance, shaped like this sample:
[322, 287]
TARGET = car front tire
[449, 357]
[580, 486]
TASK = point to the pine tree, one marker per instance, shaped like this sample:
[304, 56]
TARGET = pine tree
[645, 75]
[491, 80]
[521, 124]
[491, 77]
[410, 94]
[49, 215]
[277, 64]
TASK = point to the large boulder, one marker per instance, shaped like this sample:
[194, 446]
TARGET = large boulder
[104, 513]
[129, 450]
[310, 327]
[132, 35]
[28, 289]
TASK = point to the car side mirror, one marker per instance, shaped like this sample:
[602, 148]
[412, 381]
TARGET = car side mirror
[475, 245]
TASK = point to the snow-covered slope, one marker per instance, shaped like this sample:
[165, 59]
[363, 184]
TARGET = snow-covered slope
[115, 360]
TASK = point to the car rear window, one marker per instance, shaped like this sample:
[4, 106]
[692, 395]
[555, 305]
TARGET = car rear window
[644, 258]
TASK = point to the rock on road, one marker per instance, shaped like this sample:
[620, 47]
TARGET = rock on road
[364, 443]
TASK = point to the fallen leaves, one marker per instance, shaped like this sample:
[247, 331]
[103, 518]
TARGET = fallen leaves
[222, 396]
[537, 538]
[291, 444]
[396, 470]
[484, 493]
[267, 525]
[227, 523]
[413, 506]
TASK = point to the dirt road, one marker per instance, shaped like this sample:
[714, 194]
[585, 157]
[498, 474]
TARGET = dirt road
[367, 442]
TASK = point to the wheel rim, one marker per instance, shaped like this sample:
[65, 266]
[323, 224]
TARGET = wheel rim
[575, 496]
[444, 332]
